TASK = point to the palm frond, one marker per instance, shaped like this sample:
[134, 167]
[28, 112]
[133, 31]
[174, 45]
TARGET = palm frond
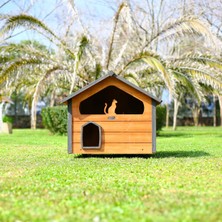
[212, 62]
[181, 27]
[154, 61]
[203, 76]
[204, 59]
[116, 19]
[13, 51]
[30, 22]
[190, 85]
[24, 20]
[132, 78]
[15, 65]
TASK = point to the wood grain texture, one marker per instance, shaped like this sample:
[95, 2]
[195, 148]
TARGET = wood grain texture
[119, 137]
[116, 148]
[121, 127]
[145, 117]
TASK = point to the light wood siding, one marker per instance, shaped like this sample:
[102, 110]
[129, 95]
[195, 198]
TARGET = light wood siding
[116, 148]
[126, 134]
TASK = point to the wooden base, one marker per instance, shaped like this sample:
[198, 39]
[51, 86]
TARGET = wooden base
[116, 148]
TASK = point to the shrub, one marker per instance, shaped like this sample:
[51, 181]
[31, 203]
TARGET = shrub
[160, 117]
[7, 119]
[55, 119]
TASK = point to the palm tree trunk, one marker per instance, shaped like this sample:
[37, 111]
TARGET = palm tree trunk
[176, 107]
[167, 115]
[52, 99]
[116, 19]
[34, 104]
[74, 76]
[36, 96]
[214, 112]
[16, 101]
[220, 104]
[1, 116]
[196, 111]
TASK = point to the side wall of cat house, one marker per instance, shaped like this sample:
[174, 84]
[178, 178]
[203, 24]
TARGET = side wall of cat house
[111, 116]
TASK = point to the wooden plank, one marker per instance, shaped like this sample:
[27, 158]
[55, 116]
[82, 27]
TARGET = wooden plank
[111, 126]
[120, 137]
[147, 106]
[116, 148]
[130, 117]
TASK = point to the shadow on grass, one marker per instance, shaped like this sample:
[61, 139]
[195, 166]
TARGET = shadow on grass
[180, 154]
[160, 154]
[166, 135]
[113, 156]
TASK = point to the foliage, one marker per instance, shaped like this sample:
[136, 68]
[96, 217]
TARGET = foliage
[41, 182]
[7, 119]
[160, 117]
[55, 119]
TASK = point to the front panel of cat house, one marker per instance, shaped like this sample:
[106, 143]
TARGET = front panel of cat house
[112, 116]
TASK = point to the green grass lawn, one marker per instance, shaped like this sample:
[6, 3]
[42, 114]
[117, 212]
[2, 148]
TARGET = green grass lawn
[39, 181]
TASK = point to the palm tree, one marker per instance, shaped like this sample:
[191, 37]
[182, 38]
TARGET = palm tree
[124, 55]
[134, 54]
[205, 70]
[26, 62]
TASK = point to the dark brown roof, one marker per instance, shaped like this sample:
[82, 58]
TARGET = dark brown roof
[111, 74]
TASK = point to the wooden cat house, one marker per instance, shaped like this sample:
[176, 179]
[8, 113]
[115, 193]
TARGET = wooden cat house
[111, 116]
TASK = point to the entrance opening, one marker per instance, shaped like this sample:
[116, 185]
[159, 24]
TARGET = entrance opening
[91, 136]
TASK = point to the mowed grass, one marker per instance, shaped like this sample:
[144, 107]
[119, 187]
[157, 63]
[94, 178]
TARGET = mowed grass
[39, 181]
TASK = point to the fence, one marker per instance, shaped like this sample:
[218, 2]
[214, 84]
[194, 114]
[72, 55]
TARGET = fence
[24, 121]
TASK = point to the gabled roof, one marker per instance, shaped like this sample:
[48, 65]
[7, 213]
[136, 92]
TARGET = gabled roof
[111, 74]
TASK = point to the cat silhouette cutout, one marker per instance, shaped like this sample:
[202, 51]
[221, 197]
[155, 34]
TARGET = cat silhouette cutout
[111, 109]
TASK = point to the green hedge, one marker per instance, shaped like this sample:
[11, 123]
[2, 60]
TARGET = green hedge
[55, 119]
[160, 117]
[7, 119]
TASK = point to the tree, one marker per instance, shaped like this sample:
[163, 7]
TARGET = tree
[32, 65]
[82, 61]
[211, 12]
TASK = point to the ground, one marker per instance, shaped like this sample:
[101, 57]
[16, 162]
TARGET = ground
[39, 181]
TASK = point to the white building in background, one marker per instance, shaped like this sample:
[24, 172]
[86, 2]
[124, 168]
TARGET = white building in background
[41, 104]
[22, 109]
